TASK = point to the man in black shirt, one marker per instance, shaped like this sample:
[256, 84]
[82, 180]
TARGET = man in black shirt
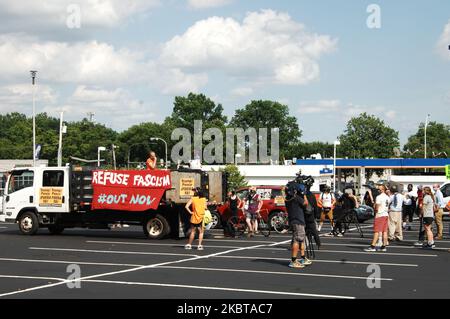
[295, 207]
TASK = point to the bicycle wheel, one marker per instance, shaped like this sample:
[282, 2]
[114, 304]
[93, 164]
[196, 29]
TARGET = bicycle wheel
[281, 224]
[237, 225]
[263, 227]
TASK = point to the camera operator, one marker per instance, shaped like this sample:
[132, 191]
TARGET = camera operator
[295, 204]
[345, 205]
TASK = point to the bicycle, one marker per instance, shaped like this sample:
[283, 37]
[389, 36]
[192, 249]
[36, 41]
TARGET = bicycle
[239, 225]
[281, 223]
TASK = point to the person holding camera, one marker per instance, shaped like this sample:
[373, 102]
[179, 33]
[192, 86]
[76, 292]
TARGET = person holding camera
[295, 205]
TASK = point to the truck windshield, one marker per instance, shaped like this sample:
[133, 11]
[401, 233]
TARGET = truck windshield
[20, 180]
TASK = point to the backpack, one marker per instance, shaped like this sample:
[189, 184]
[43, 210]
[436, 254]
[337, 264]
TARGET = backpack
[207, 218]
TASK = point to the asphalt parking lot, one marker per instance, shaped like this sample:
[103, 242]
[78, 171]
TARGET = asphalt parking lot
[123, 264]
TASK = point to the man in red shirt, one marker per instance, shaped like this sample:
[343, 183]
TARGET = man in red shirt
[151, 161]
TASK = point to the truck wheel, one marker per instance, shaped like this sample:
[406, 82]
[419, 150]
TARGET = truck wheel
[28, 223]
[215, 223]
[55, 229]
[156, 227]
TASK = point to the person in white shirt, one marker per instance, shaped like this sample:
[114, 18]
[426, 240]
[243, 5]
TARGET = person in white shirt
[439, 198]
[428, 215]
[395, 214]
[380, 225]
[409, 206]
[326, 201]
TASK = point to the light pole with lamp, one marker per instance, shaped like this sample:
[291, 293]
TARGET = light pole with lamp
[336, 143]
[425, 146]
[99, 149]
[165, 143]
[113, 147]
[33, 82]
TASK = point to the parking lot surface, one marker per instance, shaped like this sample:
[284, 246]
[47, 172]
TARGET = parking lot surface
[123, 264]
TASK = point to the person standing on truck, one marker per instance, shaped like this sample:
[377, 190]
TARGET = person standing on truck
[199, 205]
[151, 161]
[327, 201]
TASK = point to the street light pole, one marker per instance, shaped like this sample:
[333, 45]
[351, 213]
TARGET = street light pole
[114, 155]
[336, 143]
[99, 149]
[60, 139]
[425, 146]
[33, 82]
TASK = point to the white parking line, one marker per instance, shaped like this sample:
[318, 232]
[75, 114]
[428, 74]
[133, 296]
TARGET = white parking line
[111, 251]
[67, 262]
[150, 244]
[32, 277]
[220, 289]
[375, 253]
[271, 272]
[131, 270]
[324, 261]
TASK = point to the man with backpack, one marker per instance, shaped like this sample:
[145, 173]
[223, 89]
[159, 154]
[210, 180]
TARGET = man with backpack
[326, 201]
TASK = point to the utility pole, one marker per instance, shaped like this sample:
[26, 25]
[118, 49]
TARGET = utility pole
[33, 82]
[61, 131]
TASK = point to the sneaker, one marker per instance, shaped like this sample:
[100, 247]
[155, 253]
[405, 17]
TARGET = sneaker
[200, 247]
[370, 249]
[305, 261]
[319, 228]
[340, 235]
[426, 246]
[188, 247]
[296, 264]
[382, 248]
[418, 244]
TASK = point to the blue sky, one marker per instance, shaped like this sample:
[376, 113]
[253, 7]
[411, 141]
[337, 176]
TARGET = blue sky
[129, 59]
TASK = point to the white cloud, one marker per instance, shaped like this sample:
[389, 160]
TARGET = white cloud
[242, 91]
[116, 107]
[18, 98]
[202, 4]
[31, 14]
[443, 43]
[86, 62]
[267, 47]
[320, 106]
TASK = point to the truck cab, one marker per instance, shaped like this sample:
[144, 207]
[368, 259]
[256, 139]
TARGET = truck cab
[36, 189]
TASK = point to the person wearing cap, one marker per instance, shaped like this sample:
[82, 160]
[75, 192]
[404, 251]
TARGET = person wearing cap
[438, 215]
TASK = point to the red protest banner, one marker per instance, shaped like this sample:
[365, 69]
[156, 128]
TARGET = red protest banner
[129, 190]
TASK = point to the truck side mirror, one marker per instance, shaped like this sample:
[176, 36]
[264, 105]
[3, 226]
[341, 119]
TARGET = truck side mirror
[7, 198]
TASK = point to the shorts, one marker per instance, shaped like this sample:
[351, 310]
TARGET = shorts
[250, 215]
[381, 224]
[197, 225]
[298, 233]
[326, 212]
[428, 221]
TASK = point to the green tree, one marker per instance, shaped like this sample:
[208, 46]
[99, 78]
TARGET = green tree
[367, 136]
[438, 141]
[84, 137]
[135, 142]
[234, 178]
[269, 114]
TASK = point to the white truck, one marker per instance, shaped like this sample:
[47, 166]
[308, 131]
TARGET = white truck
[57, 198]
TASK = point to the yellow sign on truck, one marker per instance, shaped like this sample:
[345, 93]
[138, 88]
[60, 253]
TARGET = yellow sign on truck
[186, 186]
[51, 196]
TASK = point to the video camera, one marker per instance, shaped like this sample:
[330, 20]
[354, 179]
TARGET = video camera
[299, 185]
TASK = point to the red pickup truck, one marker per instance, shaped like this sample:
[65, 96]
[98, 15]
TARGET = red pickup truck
[273, 203]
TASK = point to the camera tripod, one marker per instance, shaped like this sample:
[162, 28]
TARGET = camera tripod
[351, 218]
[309, 245]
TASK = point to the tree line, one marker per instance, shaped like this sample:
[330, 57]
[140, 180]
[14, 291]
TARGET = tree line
[365, 136]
